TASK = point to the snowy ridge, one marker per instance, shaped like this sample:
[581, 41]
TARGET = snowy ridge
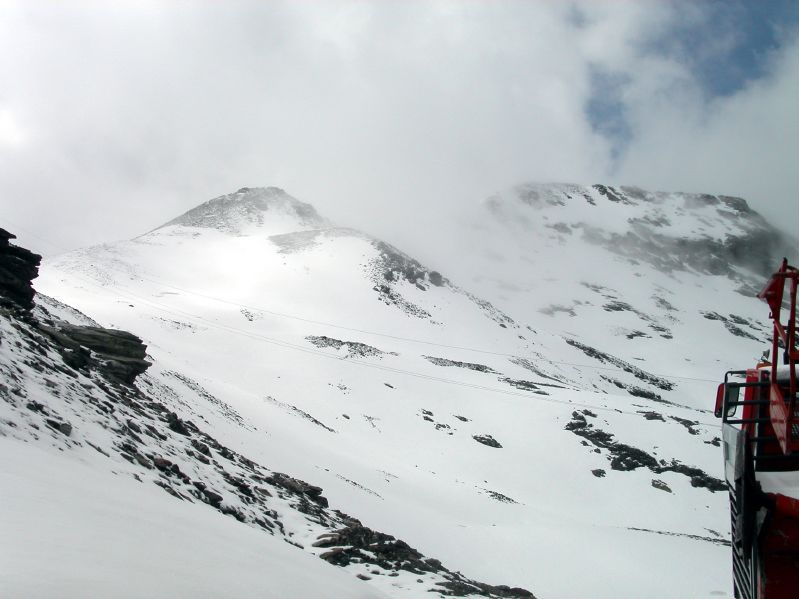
[672, 231]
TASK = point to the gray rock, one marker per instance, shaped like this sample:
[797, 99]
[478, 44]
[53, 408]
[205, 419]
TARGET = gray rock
[117, 354]
[64, 428]
[487, 440]
[660, 485]
[18, 267]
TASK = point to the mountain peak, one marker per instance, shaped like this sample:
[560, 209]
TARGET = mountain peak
[542, 195]
[252, 210]
[674, 231]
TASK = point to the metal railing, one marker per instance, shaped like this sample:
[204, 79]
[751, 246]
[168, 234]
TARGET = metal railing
[782, 402]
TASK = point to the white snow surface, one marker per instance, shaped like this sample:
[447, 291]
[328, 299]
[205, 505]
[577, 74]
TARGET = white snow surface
[79, 532]
[247, 314]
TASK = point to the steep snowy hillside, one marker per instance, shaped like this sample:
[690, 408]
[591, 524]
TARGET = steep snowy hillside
[110, 489]
[664, 280]
[541, 412]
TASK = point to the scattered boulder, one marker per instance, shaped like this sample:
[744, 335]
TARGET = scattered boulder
[142, 460]
[298, 486]
[688, 424]
[660, 485]
[487, 440]
[35, 406]
[211, 497]
[64, 428]
[652, 415]
[176, 424]
[162, 463]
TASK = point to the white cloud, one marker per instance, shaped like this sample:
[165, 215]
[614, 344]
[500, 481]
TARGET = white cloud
[12, 134]
[376, 112]
[745, 144]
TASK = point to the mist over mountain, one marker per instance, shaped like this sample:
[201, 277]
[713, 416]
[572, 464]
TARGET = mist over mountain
[535, 401]
[261, 208]
[671, 231]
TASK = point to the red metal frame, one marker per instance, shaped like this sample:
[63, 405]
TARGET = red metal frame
[782, 409]
[779, 557]
[765, 524]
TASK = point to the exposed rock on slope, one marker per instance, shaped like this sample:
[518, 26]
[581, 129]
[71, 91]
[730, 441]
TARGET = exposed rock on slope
[353, 348]
[18, 267]
[625, 457]
[117, 353]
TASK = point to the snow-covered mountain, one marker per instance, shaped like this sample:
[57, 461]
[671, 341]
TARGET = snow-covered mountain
[97, 453]
[653, 277]
[538, 406]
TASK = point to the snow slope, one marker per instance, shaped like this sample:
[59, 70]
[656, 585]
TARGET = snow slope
[115, 457]
[110, 536]
[666, 280]
[552, 419]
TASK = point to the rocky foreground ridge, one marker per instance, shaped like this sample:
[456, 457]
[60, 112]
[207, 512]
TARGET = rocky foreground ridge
[83, 388]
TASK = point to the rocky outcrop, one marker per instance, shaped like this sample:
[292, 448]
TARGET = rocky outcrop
[468, 365]
[117, 354]
[360, 544]
[625, 457]
[487, 440]
[18, 267]
[651, 379]
[353, 348]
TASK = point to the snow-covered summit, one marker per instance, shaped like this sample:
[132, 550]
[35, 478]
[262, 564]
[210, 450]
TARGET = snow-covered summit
[252, 210]
[670, 230]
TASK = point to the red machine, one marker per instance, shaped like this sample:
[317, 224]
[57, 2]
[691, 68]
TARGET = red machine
[761, 457]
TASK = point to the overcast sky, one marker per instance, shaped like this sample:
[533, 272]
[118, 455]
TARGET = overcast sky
[117, 116]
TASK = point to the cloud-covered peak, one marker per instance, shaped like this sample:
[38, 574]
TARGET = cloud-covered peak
[252, 210]
[629, 199]
[674, 231]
